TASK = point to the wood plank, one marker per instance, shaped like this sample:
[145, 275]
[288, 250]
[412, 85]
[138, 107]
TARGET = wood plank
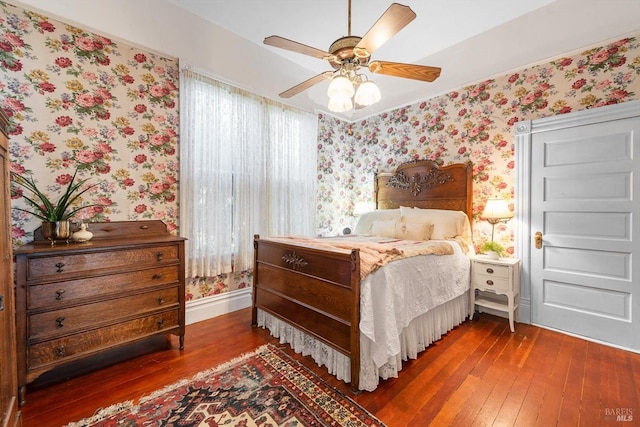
[542, 357]
[572, 394]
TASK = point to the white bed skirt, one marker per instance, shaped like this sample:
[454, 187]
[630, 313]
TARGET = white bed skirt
[416, 337]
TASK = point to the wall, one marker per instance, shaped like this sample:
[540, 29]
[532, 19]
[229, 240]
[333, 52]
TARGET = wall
[78, 100]
[133, 153]
[474, 123]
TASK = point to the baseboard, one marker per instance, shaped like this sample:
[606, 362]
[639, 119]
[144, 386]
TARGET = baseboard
[216, 305]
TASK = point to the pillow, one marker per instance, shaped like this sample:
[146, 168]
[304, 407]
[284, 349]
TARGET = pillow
[384, 228]
[414, 230]
[363, 227]
[446, 223]
[402, 230]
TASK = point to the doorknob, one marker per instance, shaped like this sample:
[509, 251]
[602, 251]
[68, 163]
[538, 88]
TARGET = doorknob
[538, 239]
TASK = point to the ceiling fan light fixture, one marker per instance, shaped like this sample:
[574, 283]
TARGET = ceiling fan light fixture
[368, 93]
[340, 103]
[340, 85]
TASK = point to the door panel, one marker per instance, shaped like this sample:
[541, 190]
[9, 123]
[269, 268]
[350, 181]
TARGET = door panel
[583, 179]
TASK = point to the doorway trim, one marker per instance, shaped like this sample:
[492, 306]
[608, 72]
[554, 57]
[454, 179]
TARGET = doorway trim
[524, 132]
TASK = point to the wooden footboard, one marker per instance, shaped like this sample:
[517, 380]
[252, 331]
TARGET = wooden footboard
[312, 289]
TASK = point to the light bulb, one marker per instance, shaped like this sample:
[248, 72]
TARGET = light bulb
[340, 85]
[368, 93]
[340, 103]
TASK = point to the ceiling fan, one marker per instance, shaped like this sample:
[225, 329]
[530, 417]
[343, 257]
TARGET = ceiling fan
[350, 53]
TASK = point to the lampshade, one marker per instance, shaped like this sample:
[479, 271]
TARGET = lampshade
[367, 93]
[496, 209]
[340, 103]
[340, 85]
[363, 207]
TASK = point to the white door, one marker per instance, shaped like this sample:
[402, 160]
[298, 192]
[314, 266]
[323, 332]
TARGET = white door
[585, 187]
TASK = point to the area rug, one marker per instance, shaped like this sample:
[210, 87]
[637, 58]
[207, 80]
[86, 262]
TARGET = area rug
[264, 388]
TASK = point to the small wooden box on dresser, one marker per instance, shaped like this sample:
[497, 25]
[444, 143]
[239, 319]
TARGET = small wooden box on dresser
[491, 277]
[74, 300]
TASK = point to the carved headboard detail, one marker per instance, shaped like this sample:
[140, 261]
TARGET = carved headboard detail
[423, 184]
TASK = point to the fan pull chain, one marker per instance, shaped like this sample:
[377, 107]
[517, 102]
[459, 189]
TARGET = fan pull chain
[349, 22]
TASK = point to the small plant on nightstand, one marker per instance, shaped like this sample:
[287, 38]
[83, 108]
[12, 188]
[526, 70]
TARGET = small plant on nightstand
[491, 248]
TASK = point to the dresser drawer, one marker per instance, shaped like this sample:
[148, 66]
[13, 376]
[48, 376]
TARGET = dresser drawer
[60, 294]
[74, 346]
[58, 267]
[73, 319]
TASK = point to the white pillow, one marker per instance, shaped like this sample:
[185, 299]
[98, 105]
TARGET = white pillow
[402, 230]
[446, 223]
[414, 230]
[384, 228]
[363, 227]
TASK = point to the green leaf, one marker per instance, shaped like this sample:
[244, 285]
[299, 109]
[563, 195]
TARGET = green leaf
[41, 205]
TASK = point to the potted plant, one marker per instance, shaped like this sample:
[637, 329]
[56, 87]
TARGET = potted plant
[493, 250]
[55, 216]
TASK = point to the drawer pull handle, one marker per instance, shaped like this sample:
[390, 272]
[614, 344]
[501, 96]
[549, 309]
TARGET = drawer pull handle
[59, 267]
[157, 276]
[159, 256]
[490, 270]
[60, 322]
[490, 282]
[60, 351]
[160, 300]
[160, 323]
[59, 294]
[144, 227]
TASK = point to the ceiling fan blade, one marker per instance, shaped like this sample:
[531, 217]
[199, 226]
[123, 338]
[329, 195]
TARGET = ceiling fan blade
[282, 43]
[395, 18]
[306, 84]
[408, 71]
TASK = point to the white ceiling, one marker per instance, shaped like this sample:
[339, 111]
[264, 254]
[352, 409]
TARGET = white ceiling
[469, 39]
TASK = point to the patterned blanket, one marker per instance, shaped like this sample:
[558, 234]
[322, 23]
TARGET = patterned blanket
[374, 251]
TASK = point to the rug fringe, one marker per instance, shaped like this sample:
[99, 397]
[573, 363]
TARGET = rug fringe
[102, 413]
[202, 374]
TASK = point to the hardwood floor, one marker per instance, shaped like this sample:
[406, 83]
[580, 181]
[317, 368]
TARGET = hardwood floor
[480, 374]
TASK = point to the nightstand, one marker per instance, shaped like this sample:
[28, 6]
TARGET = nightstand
[491, 278]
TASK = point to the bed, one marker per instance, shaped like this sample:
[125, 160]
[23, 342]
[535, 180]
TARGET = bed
[323, 297]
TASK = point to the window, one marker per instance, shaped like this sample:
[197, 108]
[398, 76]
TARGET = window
[248, 166]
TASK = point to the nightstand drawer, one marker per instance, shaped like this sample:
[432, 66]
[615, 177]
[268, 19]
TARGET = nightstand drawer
[490, 282]
[492, 269]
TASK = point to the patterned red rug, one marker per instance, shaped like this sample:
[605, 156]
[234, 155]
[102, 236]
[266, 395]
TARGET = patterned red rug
[265, 388]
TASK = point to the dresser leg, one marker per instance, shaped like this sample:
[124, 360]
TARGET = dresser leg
[181, 342]
[22, 394]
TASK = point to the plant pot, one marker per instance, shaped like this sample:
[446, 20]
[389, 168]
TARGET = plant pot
[492, 255]
[59, 230]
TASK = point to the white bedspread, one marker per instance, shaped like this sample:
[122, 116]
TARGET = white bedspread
[392, 296]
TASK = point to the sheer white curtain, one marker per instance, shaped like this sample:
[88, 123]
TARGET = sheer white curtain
[247, 166]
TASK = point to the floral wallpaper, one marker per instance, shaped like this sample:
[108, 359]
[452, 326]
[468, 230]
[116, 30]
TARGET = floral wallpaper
[474, 123]
[81, 101]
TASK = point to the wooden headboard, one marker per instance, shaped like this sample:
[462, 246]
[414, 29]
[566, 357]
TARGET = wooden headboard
[423, 184]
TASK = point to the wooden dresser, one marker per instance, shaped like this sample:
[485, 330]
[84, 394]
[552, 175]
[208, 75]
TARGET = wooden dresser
[75, 300]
